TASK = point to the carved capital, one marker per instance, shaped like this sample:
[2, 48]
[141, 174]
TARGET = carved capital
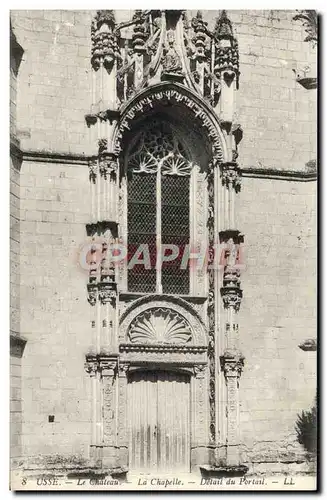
[108, 365]
[230, 174]
[107, 292]
[232, 362]
[92, 291]
[231, 234]
[199, 371]
[91, 365]
[232, 297]
[123, 370]
[108, 165]
[93, 168]
[232, 277]
[102, 227]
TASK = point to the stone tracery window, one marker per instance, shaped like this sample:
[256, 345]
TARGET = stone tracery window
[158, 208]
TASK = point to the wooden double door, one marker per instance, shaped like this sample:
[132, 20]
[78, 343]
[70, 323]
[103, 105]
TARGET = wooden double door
[159, 421]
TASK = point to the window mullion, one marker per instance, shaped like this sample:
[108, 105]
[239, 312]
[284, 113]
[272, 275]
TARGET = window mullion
[158, 229]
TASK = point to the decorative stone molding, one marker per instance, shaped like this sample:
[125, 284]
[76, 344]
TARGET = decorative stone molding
[311, 166]
[102, 363]
[308, 345]
[169, 93]
[231, 235]
[211, 304]
[214, 471]
[91, 365]
[17, 345]
[231, 175]
[199, 371]
[160, 348]
[107, 292]
[110, 115]
[108, 165]
[232, 277]
[283, 175]
[160, 325]
[232, 362]
[101, 227]
[301, 76]
[163, 354]
[175, 304]
[232, 297]
[92, 290]
[107, 365]
[165, 45]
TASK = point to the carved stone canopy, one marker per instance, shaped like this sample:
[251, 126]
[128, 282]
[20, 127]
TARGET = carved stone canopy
[160, 325]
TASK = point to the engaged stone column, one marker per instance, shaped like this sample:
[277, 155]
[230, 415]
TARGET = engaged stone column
[108, 367]
[232, 363]
[199, 411]
[92, 368]
[122, 416]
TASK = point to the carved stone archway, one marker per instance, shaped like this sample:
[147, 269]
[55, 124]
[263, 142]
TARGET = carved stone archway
[180, 346]
[181, 77]
[176, 94]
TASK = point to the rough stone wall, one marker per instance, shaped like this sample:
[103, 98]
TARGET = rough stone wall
[277, 114]
[55, 318]
[278, 312]
[55, 79]
[278, 119]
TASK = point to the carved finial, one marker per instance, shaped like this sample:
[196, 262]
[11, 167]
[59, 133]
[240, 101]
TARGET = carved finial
[104, 41]
[105, 17]
[137, 14]
[199, 14]
[223, 28]
[140, 31]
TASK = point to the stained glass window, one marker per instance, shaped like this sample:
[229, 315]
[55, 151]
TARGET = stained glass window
[158, 208]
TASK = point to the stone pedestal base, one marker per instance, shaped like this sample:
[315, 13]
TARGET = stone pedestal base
[200, 455]
[122, 457]
[109, 457]
[208, 471]
[96, 455]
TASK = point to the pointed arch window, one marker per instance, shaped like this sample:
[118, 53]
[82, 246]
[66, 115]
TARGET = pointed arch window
[159, 169]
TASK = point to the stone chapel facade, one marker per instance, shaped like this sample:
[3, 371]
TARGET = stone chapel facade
[162, 128]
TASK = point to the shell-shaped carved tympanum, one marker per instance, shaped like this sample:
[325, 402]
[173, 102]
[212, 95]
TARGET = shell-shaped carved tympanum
[160, 326]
